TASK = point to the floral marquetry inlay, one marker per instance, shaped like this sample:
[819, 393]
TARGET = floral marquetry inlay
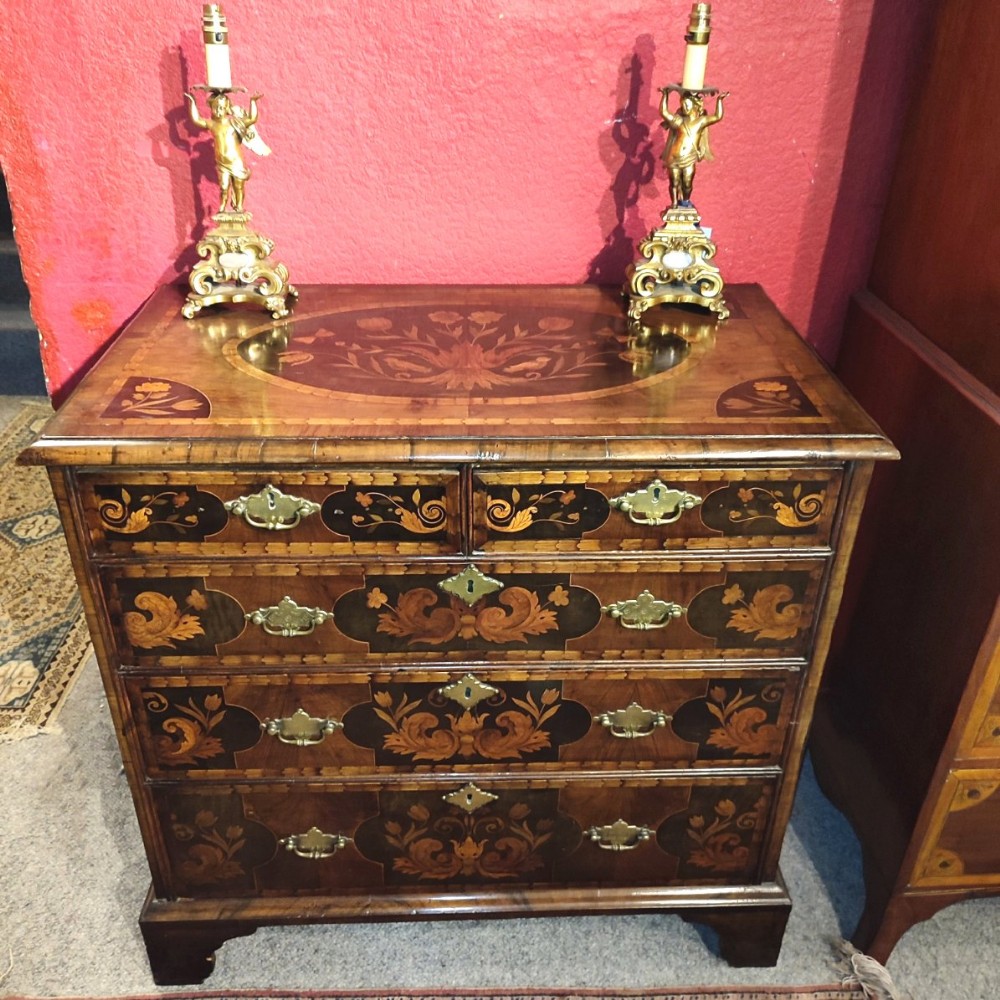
[411, 511]
[529, 611]
[158, 398]
[719, 834]
[161, 622]
[424, 735]
[419, 837]
[791, 510]
[779, 396]
[466, 721]
[188, 730]
[413, 351]
[769, 614]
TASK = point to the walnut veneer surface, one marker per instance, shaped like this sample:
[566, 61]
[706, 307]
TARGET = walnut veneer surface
[540, 631]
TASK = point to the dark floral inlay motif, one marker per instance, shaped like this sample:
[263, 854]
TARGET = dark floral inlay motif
[413, 513]
[160, 622]
[516, 514]
[794, 511]
[193, 727]
[211, 854]
[744, 725]
[769, 614]
[425, 736]
[158, 398]
[531, 611]
[187, 735]
[722, 839]
[126, 514]
[411, 351]
[779, 396]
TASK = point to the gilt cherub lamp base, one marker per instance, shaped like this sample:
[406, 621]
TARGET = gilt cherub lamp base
[676, 266]
[236, 267]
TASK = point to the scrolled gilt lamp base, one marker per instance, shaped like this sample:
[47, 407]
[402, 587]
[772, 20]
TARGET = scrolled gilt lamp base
[675, 267]
[236, 267]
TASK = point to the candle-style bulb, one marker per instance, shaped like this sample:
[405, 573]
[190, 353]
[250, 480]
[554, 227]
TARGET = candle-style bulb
[216, 36]
[696, 53]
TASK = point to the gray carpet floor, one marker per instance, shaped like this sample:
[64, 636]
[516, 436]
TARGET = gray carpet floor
[73, 876]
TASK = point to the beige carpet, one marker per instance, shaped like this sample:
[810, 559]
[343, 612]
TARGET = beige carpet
[43, 638]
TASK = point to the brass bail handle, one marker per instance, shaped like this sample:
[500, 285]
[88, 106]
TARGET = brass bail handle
[288, 619]
[301, 729]
[314, 844]
[644, 612]
[619, 836]
[634, 722]
[272, 510]
[655, 504]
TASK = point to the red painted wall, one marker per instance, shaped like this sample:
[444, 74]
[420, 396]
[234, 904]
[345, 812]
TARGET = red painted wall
[469, 141]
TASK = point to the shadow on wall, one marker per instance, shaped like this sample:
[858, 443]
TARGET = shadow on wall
[895, 46]
[189, 164]
[627, 151]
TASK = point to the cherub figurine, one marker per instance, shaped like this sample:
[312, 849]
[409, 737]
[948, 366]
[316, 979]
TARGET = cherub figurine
[688, 141]
[231, 129]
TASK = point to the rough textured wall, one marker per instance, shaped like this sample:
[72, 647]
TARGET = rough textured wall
[418, 141]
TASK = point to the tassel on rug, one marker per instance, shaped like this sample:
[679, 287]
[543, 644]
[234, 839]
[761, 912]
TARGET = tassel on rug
[873, 978]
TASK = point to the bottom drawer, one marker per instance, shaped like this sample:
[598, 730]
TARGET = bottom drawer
[361, 837]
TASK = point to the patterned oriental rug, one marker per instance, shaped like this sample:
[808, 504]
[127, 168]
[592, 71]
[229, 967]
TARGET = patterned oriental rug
[726, 993]
[43, 636]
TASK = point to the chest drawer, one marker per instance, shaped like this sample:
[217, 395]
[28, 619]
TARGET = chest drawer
[961, 847]
[260, 840]
[324, 512]
[540, 718]
[655, 509]
[243, 613]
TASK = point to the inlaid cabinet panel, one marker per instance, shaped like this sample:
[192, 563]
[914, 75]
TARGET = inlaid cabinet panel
[962, 847]
[244, 840]
[540, 718]
[317, 613]
[299, 513]
[593, 510]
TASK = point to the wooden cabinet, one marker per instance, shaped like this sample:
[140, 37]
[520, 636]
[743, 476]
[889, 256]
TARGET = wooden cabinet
[469, 601]
[907, 741]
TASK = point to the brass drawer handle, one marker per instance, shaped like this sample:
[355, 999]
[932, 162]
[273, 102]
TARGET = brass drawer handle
[300, 729]
[287, 618]
[655, 504]
[644, 612]
[315, 844]
[271, 509]
[634, 722]
[619, 836]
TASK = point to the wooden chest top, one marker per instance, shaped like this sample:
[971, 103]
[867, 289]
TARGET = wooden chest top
[457, 374]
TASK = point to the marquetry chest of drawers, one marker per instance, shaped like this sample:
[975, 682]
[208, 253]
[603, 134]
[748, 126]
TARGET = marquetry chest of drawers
[459, 601]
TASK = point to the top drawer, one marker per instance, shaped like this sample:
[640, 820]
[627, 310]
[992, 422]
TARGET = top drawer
[591, 510]
[342, 511]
